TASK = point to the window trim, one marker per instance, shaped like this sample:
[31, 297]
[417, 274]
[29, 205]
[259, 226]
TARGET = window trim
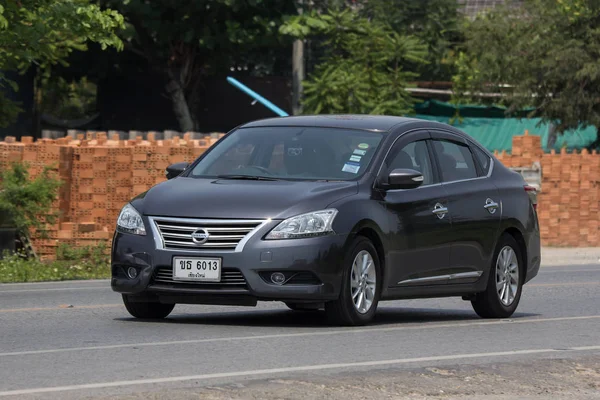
[469, 142]
[440, 134]
[485, 153]
[421, 134]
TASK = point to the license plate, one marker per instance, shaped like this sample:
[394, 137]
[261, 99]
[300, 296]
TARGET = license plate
[197, 269]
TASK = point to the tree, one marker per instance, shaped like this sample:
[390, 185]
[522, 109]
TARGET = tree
[25, 204]
[362, 70]
[43, 33]
[545, 55]
[436, 23]
[186, 41]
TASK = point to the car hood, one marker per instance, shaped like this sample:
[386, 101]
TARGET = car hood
[227, 198]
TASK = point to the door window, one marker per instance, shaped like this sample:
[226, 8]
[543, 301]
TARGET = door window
[455, 160]
[415, 156]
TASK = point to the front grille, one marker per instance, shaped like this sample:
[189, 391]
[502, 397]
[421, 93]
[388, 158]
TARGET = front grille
[230, 278]
[176, 234]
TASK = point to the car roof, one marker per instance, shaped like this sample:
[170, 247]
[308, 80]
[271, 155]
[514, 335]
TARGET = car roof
[372, 123]
[376, 123]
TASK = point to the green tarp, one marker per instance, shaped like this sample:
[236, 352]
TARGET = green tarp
[488, 127]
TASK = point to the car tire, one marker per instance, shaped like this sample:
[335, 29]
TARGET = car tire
[505, 282]
[344, 310]
[147, 310]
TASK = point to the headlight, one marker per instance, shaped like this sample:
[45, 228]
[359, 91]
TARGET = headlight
[317, 223]
[130, 221]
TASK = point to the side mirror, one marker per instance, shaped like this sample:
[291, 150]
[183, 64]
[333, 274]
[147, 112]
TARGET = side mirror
[175, 170]
[405, 179]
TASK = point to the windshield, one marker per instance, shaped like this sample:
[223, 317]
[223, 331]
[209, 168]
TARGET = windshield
[290, 153]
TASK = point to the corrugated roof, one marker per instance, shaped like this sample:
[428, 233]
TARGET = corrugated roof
[474, 7]
[497, 133]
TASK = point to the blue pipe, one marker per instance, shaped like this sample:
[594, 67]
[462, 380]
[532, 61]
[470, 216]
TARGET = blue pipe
[257, 97]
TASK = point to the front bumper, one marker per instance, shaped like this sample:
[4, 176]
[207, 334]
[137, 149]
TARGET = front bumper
[317, 260]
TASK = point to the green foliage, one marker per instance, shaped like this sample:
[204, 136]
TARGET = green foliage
[436, 23]
[25, 203]
[9, 110]
[69, 100]
[93, 256]
[214, 34]
[45, 32]
[362, 71]
[84, 263]
[548, 53]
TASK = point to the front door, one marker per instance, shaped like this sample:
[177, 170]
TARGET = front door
[473, 205]
[420, 229]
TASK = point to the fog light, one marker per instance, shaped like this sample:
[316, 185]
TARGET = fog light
[278, 278]
[132, 272]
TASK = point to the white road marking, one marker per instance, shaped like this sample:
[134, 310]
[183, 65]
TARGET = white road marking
[63, 289]
[417, 326]
[51, 283]
[568, 270]
[60, 307]
[272, 371]
[564, 284]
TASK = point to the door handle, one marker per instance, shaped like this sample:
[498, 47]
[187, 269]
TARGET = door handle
[491, 206]
[439, 210]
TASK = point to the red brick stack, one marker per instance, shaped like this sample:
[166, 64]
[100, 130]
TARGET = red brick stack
[101, 175]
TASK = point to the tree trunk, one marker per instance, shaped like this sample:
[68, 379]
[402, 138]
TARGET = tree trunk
[36, 126]
[297, 76]
[297, 67]
[180, 104]
[552, 136]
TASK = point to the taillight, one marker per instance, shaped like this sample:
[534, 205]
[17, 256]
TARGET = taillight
[532, 195]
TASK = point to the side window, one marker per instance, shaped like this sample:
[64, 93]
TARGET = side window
[413, 156]
[484, 159]
[455, 159]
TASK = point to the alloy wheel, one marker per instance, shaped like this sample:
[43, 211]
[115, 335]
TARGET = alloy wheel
[507, 275]
[363, 281]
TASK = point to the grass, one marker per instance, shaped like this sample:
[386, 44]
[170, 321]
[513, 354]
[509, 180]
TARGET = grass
[85, 263]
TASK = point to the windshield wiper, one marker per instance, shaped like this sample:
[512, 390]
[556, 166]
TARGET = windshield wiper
[247, 177]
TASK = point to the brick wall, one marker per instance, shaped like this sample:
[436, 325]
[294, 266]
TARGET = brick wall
[570, 191]
[100, 175]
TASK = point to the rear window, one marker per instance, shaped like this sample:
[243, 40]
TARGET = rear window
[484, 160]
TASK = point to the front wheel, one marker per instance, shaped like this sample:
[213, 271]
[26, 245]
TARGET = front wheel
[147, 310]
[505, 282]
[360, 288]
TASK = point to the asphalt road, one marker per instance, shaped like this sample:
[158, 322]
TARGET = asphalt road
[74, 340]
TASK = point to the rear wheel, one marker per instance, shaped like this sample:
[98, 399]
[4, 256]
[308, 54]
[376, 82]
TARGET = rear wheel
[147, 310]
[359, 295]
[505, 282]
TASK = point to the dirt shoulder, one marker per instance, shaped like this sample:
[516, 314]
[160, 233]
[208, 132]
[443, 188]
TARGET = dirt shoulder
[575, 379]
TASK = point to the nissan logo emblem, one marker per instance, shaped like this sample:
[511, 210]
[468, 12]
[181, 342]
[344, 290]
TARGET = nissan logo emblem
[200, 236]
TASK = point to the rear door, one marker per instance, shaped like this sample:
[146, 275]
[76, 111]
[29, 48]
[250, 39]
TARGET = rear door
[474, 205]
[420, 229]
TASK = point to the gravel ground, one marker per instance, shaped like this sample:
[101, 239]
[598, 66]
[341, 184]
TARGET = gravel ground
[541, 379]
